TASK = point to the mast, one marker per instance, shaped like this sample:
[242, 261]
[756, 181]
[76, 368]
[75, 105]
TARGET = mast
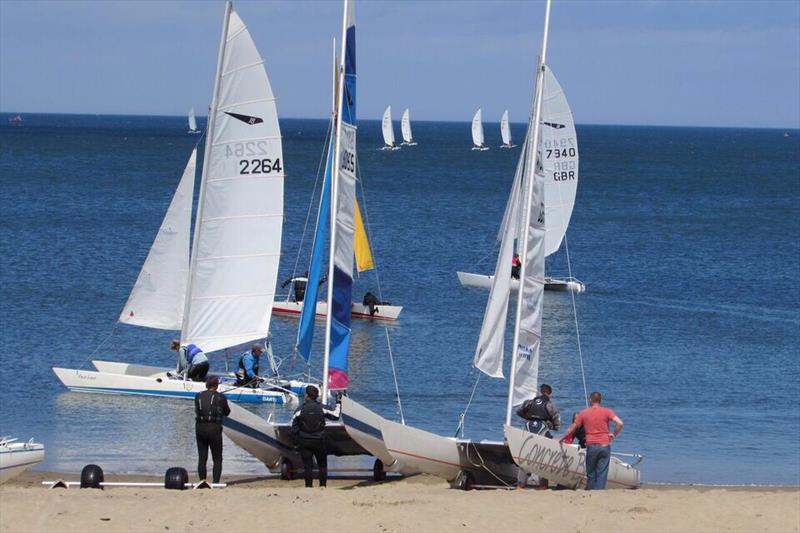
[532, 155]
[334, 205]
[212, 112]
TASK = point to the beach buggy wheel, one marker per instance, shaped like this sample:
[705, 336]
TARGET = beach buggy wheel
[287, 469]
[176, 478]
[465, 481]
[91, 477]
[378, 473]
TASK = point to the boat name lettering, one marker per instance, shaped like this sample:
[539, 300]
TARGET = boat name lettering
[259, 166]
[555, 462]
[564, 176]
[250, 148]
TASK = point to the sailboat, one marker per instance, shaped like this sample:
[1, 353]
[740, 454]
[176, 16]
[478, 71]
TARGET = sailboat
[505, 131]
[16, 457]
[559, 146]
[221, 295]
[388, 130]
[192, 122]
[468, 462]
[405, 129]
[477, 131]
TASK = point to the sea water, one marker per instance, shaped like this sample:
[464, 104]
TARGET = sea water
[688, 241]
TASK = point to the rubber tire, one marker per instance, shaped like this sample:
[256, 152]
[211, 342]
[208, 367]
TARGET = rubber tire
[378, 473]
[287, 470]
[92, 477]
[176, 478]
[465, 481]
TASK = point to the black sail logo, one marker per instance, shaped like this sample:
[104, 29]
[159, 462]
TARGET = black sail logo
[247, 119]
[554, 125]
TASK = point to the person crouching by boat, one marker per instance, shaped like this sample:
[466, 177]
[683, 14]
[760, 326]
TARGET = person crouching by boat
[192, 362]
[541, 417]
[209, 408]
[595, 421]
[578, 436]
[247, 375]
[308, 431]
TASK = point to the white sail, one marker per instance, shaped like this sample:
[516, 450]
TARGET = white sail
[157, 297]
[559, 152]
[405, 127]
[505, 129]
[477, 128]
[192, 120]
[240, 213]
[386, 125]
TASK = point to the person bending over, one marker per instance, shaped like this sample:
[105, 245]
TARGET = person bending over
[192, 362]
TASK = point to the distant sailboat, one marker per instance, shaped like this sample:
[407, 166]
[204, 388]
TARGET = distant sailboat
[505, 131]
[405, 128]
[388, 130]
[192, 122]
[477, 132]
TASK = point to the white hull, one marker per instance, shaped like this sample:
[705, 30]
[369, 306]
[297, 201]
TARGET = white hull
[382, 312]
[124, 378]
[484, 281]
[446, 457]
[412, 143]
[390, 148]
[480, 148]
[508, 146]
[563, 464]
[16, 457]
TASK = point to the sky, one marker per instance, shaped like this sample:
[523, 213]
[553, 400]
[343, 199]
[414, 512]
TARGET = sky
[691, 63]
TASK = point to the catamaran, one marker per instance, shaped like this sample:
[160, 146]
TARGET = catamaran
[477, 132]
[219, 296]
[16, 457]
[559, 147]
[388, 130]
[405, 129]
[192, 122]
[505, 131]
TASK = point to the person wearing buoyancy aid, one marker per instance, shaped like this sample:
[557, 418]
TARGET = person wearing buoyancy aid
[192, 362]
[308, 431]
[209, 408]
[542, 417]
[247, 375]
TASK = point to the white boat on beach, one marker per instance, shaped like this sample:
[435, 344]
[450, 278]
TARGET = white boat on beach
[405, 129]
[387, 128]
[16, 457]
[477, 132]
[218, 293]
[484, 281]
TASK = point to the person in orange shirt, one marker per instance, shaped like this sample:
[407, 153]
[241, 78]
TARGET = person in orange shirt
[595, 421]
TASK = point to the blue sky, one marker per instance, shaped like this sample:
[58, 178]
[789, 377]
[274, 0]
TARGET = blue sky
[731, 63]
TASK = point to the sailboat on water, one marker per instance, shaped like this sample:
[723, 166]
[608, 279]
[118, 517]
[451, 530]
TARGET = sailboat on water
[221, 295]
[388, 130]
[505, 131]
[192, 122]
[559, 146]
[405, 129]
[477, 132]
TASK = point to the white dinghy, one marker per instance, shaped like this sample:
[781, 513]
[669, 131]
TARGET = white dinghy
[387, 128]
[559, 146]
[477, 132]
[16, 457]
[357, 310]
[405, 129]
[221, 295]
[505, 131]
[192, 122]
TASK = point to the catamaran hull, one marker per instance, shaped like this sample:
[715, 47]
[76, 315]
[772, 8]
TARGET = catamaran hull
[489, 463]
[483, 281]
[16, 457]
[124, 378]
[480, 148]
[563, 464]
[382, 312]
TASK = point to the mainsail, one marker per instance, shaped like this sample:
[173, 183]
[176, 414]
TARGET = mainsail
[386, 127]
[159, 294]
[505, 129]
[237, 238]
[192, 120]
[477, 128]
[405, 127]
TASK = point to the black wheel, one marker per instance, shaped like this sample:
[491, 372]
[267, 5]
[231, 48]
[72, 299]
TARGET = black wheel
[465, 481]
[287, 469]
[176, 478]
[378, 473]
[92, 477]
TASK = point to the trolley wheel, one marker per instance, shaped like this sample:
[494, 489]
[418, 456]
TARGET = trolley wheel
[176, 478]
[91, 477]
[287, 469]
[465, 480]
[378, 473]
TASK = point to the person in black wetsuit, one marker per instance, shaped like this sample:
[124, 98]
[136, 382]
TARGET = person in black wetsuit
[308, 430]
[209, 408]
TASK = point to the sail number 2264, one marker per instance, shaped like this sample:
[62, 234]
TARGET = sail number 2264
[251, 161]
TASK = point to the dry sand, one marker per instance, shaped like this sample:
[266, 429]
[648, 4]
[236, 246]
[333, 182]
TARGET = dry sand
[419, 503]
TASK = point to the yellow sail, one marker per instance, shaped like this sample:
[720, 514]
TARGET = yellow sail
[361, 244]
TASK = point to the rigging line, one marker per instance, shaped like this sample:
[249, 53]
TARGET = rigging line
[394, 375]
[89, 358]
[577, 329]
[311, 202]
[463, 414]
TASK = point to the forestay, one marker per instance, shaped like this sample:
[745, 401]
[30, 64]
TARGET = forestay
[240, 214]
[505, 129]
[477, 128]
[159, 294]
[405, 127]
[386, 126]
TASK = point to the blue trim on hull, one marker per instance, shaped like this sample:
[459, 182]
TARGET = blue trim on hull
[22, 464]
[233, 396]
[235, 425]
[363, 427]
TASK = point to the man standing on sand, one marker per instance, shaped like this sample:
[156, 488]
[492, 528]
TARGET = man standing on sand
[308, 431]
[209, 408]
[594, 420]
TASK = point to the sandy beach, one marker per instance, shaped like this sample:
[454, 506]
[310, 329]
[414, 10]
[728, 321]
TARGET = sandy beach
[419, 503]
